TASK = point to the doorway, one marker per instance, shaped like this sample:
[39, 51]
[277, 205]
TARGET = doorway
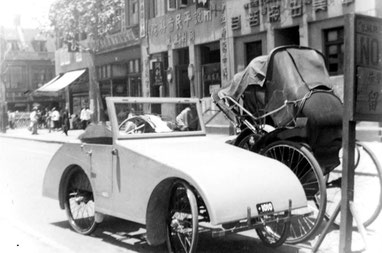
[287, 36]
[181, 75]
[253, 49]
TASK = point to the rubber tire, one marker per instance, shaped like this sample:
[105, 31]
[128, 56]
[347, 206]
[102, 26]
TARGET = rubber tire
[77, 179]
[192, 203]
[310, 226]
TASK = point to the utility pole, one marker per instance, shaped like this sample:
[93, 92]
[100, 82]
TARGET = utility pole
[3, 107]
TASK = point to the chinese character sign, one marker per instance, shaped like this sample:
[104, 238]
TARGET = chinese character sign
[368, 66]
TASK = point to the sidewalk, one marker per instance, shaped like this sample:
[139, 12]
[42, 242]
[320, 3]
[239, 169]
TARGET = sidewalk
[365, 132]
[43, 135]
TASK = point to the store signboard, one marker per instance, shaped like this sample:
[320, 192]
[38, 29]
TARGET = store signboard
[367, 74]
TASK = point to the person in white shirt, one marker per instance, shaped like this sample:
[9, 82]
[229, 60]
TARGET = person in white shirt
[55, 119]
[85, 117]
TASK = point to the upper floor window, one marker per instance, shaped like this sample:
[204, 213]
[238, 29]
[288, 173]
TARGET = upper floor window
[178, 4]
[133, 12]
[39, 46]
[334, 50]
[16, 77]
[41, 75]
[14, 45]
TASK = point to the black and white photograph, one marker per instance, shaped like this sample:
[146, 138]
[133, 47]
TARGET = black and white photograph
[187, 126]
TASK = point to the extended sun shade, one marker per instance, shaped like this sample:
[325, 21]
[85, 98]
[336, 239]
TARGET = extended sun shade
[61, 81]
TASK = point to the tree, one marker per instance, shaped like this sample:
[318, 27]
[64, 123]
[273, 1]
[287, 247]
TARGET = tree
[95, 18]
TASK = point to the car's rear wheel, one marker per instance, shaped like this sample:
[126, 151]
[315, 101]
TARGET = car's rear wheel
[182, 221]
[79, 203]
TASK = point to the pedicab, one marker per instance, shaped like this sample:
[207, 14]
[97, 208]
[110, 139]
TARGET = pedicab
[177, 181]
[284, 106]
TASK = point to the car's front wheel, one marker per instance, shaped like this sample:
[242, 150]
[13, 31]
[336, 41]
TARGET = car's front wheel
[79, 203]
[182, 221]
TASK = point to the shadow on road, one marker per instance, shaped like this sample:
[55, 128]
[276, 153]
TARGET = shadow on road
[131, 236]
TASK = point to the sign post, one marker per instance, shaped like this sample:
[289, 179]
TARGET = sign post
[362, 102]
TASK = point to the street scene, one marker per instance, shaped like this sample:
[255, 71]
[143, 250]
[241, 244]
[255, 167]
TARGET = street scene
[33, 223]
[188, 126]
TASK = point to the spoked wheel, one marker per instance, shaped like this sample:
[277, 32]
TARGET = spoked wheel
[367, 186]
[182, 226]
[300, 160]
[273, 234]
[79, 203]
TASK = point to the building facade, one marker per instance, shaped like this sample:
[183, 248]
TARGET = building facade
[191, 48]
[116, 61]
[27, 64]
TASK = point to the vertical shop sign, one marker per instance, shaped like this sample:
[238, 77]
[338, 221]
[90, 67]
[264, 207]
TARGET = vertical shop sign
[158, 73]
[368, 67]
[142, 19]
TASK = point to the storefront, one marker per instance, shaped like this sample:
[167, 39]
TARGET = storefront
[185, 44]
[119, 73]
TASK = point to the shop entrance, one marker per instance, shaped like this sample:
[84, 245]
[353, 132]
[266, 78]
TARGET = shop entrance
[253, 49]
[182, 82]
[211, 73]
[287, 36]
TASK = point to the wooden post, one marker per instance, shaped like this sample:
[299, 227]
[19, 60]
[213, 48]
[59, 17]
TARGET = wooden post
[348, 138]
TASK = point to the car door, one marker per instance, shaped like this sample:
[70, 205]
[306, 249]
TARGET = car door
[101, 171]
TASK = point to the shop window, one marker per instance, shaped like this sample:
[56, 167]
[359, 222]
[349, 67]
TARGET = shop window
[134, 66]
[334, 50]
[211, 71]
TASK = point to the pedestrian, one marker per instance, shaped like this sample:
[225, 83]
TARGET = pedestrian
[11, 119]
[33, 120]
[65, 122]
[187, 119]
[85, 116]
[49, 120]
[55, 119]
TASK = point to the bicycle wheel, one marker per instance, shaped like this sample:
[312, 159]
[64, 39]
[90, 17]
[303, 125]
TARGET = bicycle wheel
[367, 186]
[275, 233]
[300, 160]
[182, 227]
[79, 203]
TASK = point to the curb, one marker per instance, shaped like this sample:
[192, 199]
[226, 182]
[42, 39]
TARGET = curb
[30, 139]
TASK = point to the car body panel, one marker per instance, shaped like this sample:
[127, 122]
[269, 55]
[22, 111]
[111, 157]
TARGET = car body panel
[123, 184]
[131, 177]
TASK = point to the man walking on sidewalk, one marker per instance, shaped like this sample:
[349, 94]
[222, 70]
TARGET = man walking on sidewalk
[34, 118]
[85, 117]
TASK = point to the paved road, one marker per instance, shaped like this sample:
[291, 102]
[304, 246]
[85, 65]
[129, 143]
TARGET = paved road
[32, 223]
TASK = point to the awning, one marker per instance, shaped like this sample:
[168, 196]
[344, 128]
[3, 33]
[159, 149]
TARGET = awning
[61, 81]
